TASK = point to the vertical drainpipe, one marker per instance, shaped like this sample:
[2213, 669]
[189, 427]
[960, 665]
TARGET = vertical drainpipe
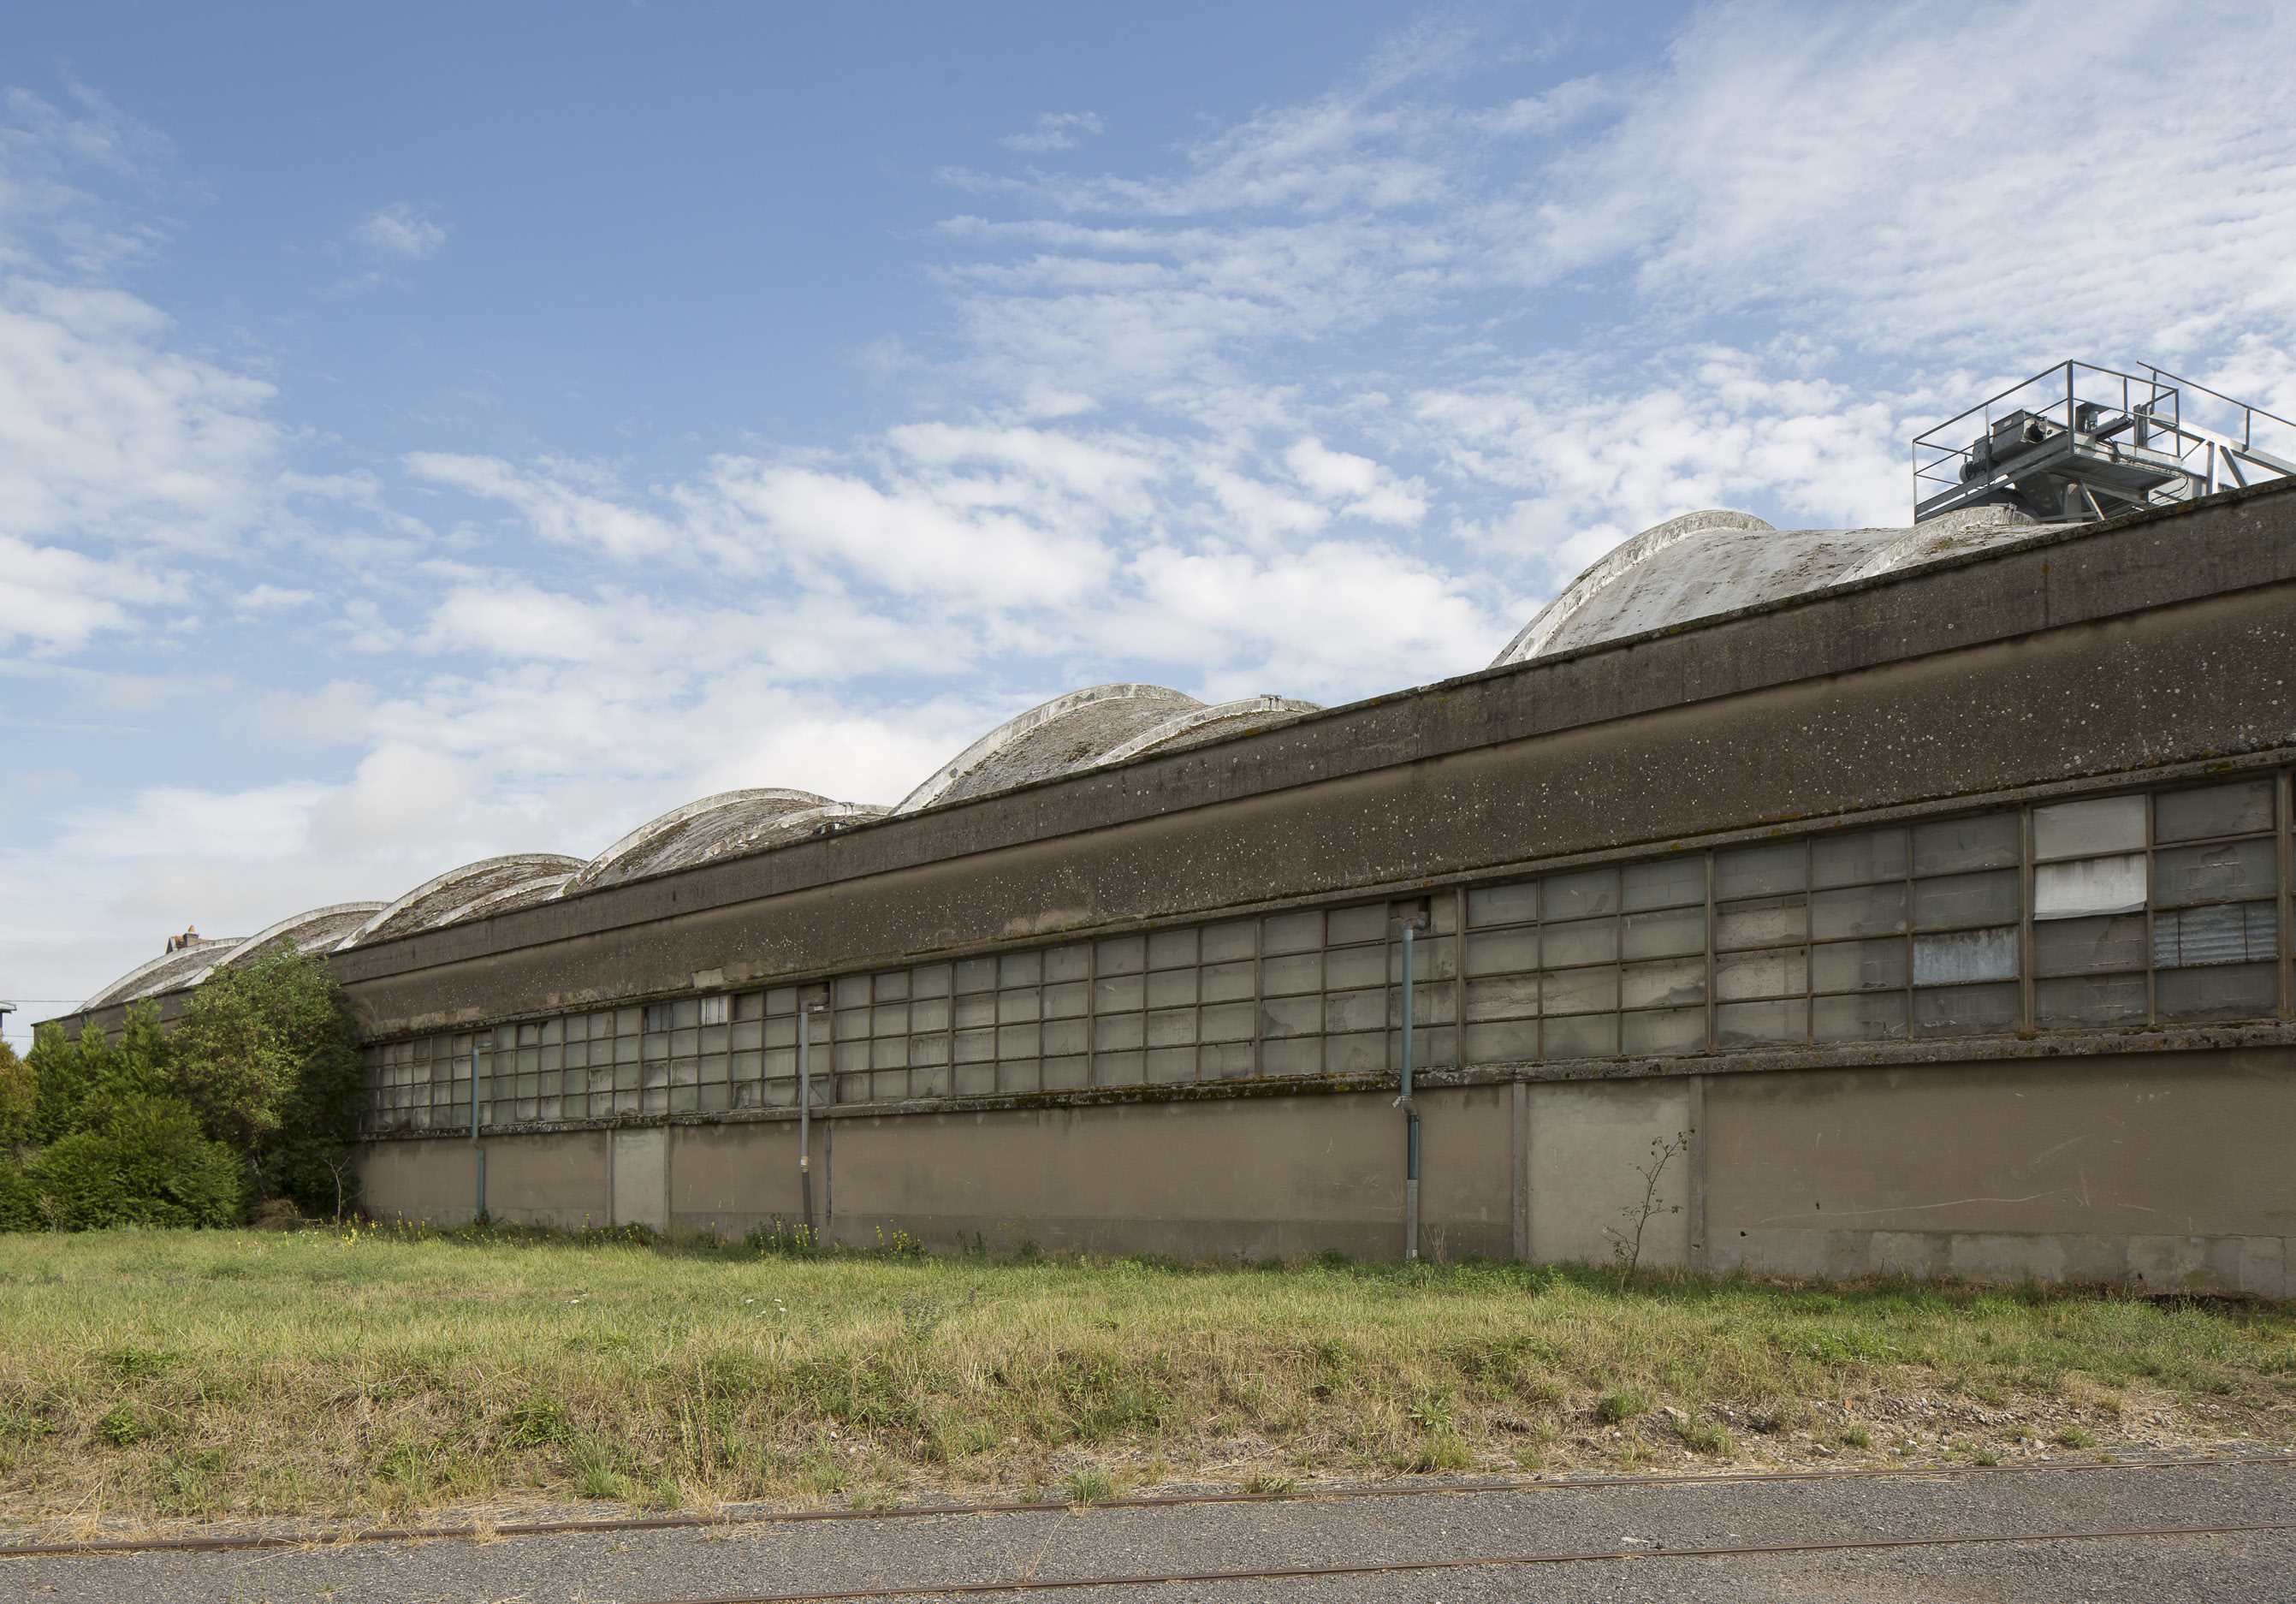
[476, 1044]
[1410, 1110]
[805, 1112]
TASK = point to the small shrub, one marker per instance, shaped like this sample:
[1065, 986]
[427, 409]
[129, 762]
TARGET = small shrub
[596, 1475]
[538, 1420]
[1705, 1437]
[1089, 1486]
[120, 1427]
[2074, 1437]
[1857, 1436]
[1266, 1483]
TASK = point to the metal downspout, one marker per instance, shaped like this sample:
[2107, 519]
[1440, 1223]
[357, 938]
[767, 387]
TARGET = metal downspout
[1410, 1110]
[479, 1214]
[805, 1112]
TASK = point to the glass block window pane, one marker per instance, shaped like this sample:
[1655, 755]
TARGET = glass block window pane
[1226, 982]
[1503, 904]
[1012, 1007]
[1065, 1036]
[891, 1052]
[2207, 874]
[1065, 1074]
[1068, 1000]
[1504, 1041]
[1066, 964]
[1669, 984]
[1343, 926]
[1017, 1075]
[2233, 933]
[2069, 946]
[1964, 899]
[1499, 951]
[1171, 948]
[1289, 932]
[893, 987]
[1753, 870]
[1511, 997]
[849, 991]
[1018, 1040]
[1857, 911]
[1118, 1033]
[1783, 1022]
[1584, 942]
[2234, 992]
[1228, 1022]
[2089, 1000]
[1578, 895]
[889, 1019]
[1585, 1036]
[1226, 943]
[1665, 1031]
[1171, 1065]
[1772, 972]
[889, 1086]
[1117, 994]
[931, 981]
[1347, 966]
[1118, 1069]
[976, 975]
[1762, 923]
[1663, 934]
[2235, 810]
[1966, 955]
[1875, 1016]
[1951, 845]
[2082, 829]
[1021, 969]
[1170, 988]
[2089, 886]
[1670, 882]
[1967, 1010]
[1580, 991]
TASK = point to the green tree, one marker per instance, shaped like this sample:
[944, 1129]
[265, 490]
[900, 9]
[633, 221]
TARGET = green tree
[268, 1056]
[20, 1099]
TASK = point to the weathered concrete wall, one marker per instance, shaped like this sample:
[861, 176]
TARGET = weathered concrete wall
[1590, 1142]
[2172, 1169]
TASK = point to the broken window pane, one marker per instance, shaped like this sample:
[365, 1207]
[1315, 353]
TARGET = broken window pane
[1949, 845]
[2089, 886]
[2204, 874]
[1860, 911]
[1966, 955]
[2081, 829]
[2218, 811]
[1854, 860]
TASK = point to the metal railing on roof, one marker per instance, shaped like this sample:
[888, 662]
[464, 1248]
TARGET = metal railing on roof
[2076, 442]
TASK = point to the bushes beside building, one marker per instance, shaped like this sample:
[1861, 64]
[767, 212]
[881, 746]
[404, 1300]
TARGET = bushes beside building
[253, 1096]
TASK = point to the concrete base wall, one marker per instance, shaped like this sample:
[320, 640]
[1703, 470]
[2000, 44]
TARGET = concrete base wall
[2169, 1171]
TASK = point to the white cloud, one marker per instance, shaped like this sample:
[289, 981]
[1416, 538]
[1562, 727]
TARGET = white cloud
[400, 230]
[1055, 131]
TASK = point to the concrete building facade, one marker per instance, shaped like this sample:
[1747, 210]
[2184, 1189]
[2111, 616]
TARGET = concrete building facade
[1933, 885]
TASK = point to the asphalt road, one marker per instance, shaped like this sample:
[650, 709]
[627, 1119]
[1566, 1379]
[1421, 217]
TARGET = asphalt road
[1646, 1521]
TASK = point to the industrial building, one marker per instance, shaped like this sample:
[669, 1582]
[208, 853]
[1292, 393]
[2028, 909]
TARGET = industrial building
[1933, 881]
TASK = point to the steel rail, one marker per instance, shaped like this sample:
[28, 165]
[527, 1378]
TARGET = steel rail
[1381, 1568]
[335, 1536]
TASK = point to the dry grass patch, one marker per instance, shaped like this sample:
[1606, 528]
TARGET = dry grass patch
[204, 1376]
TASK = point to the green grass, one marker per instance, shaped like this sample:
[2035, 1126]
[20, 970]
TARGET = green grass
[221, 1374]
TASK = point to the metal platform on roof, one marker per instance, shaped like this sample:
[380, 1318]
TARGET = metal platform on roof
[2076, 442]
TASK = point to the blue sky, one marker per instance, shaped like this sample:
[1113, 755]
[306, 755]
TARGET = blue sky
[431, 431]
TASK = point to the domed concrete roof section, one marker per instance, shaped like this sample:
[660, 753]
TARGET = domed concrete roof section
[726, 825]
[170, 973]
[1061, 737]
[1206, 725]
[523, 894]
[1707, 563]
[437, 900]
[320, 930]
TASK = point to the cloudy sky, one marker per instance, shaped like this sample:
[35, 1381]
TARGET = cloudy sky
[432, 431]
